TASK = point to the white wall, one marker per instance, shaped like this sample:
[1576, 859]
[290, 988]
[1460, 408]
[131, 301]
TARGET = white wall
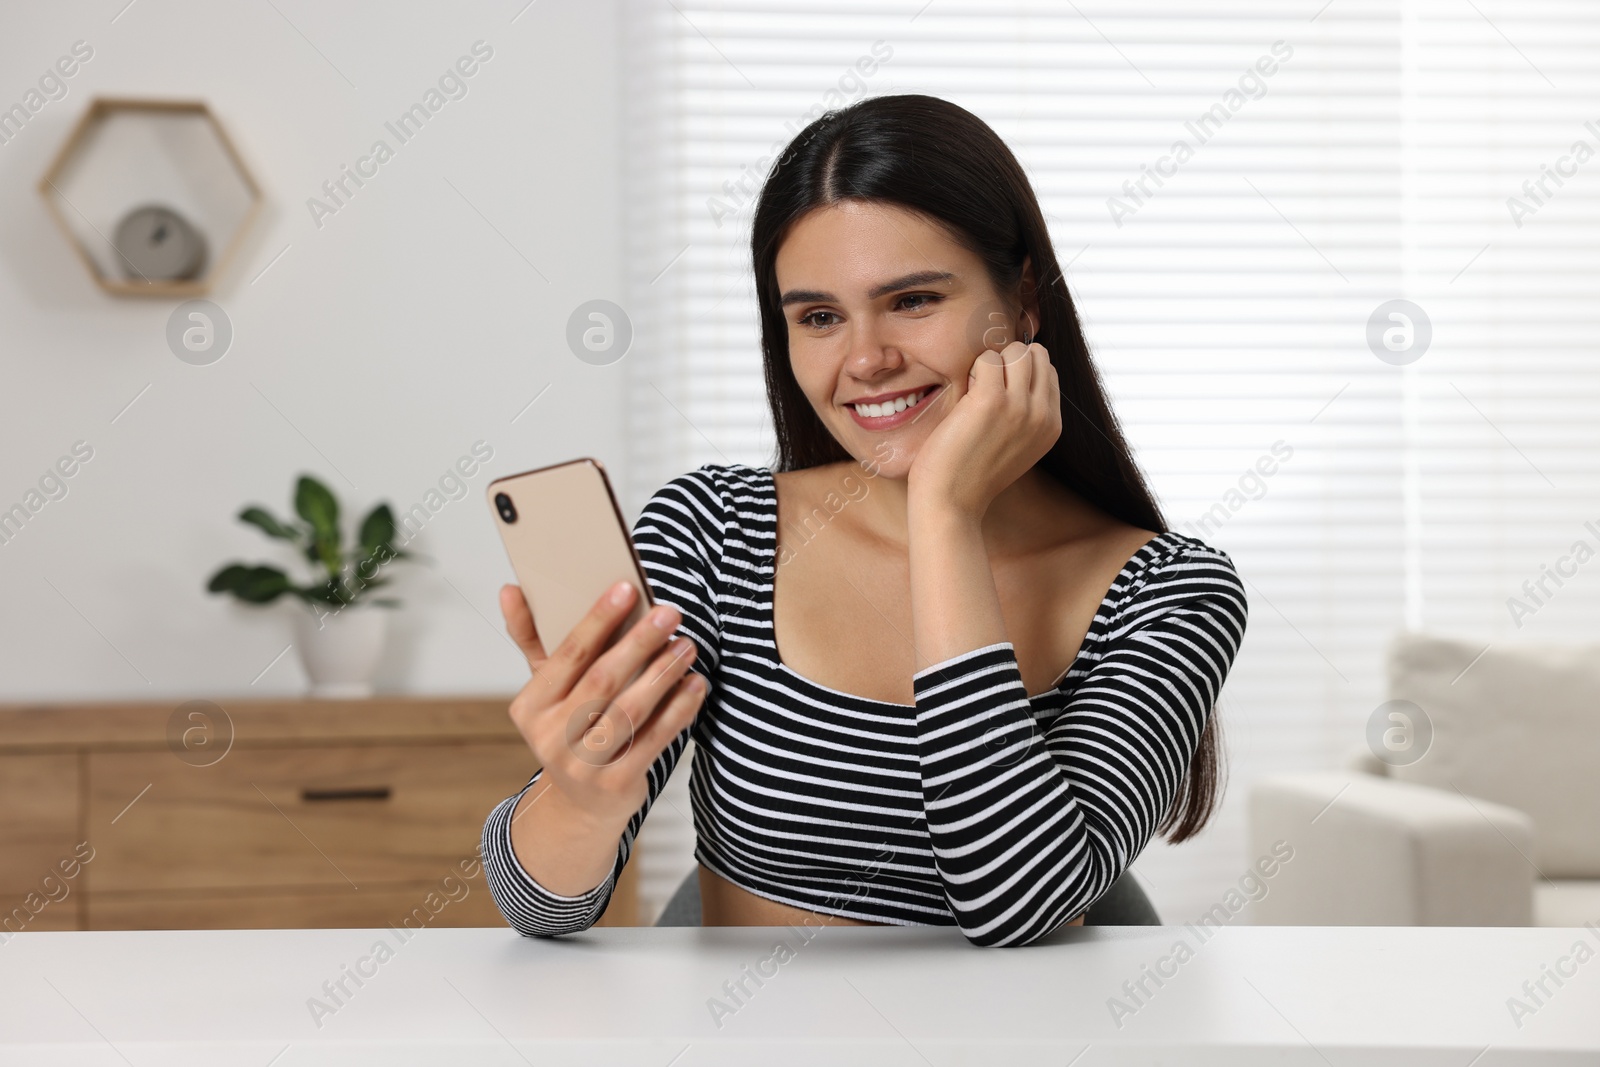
[404, 329]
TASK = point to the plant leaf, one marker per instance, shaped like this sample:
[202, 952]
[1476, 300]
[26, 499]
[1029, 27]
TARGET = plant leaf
[225, 579]
[314, 503]
[377, 529]
[270, 526]
[254, 585]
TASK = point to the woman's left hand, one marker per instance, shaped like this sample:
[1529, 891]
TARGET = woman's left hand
[1007, 420]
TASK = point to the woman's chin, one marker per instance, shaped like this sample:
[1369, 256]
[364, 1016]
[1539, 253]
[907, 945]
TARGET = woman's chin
[887, 459]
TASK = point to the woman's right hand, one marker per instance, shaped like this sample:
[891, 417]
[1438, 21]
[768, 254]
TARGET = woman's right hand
[594, 732]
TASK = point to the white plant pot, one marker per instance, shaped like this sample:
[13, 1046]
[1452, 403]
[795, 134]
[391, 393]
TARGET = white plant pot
[340, 649]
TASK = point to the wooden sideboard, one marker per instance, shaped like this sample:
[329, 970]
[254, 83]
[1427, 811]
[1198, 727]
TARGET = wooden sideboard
[247, 814]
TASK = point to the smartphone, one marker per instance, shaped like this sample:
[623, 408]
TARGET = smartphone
[568, 544]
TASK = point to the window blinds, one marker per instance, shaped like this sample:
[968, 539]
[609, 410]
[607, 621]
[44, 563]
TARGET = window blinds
[1240, 194]
[1505, 189]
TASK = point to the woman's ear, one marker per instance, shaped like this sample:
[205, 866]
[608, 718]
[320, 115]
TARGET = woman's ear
[1030, 325]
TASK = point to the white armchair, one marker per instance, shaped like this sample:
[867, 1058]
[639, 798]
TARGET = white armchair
[1498, 824]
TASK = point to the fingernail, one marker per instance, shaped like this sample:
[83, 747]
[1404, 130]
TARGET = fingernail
[662, 619]
[619, 593]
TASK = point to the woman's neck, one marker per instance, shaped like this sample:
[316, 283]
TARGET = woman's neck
[1028, 514]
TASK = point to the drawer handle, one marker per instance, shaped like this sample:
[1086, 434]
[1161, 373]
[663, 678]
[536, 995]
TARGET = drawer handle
[371, 793]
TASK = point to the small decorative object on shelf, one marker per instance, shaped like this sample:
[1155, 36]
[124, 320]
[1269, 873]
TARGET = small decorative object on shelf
[156, 243]
[152, 196]
[339, 648]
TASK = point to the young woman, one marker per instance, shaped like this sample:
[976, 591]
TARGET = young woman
[946, 665]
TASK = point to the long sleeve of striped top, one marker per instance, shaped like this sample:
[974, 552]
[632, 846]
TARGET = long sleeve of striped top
[1030, 826]
[675, 537]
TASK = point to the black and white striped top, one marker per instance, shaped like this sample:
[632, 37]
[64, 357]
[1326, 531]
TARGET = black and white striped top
[978, 807]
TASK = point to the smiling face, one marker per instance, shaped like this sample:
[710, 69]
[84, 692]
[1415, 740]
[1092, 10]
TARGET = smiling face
[886, 315]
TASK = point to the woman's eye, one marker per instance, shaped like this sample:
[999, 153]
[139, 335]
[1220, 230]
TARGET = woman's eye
[924, 299]
[807, 319]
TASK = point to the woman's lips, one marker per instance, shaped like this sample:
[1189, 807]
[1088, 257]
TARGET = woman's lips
[916, 401]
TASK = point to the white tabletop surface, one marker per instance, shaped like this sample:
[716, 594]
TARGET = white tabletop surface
[847, 995]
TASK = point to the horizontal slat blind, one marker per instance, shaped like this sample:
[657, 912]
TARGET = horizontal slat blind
[1506, 400]
[1228, 305]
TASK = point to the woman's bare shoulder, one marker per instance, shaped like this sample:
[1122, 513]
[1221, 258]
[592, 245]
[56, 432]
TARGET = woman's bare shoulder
[815, 483]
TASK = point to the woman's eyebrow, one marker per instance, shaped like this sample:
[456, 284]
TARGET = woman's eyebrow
[909, 281]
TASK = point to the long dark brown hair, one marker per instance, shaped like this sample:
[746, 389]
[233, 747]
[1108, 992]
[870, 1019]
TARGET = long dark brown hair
[942, 161]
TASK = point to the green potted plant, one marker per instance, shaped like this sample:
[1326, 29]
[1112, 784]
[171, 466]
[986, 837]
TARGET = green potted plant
[340, 649]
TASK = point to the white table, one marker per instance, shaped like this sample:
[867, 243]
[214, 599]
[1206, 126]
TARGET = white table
[893, 996]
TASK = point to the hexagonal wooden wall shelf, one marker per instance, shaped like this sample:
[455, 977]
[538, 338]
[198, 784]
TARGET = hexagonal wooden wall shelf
[152, 195]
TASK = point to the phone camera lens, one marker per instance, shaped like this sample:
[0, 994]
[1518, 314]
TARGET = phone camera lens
[508, 511]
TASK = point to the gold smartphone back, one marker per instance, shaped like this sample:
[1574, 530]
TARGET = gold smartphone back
[568, 544]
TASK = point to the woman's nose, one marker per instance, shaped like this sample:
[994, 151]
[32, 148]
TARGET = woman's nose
[872, 355]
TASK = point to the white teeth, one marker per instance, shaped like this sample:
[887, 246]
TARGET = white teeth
[890, 407]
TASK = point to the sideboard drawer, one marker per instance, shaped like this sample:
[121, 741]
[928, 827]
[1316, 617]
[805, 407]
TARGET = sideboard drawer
[38, 823]
[41, 876]
[298, 817]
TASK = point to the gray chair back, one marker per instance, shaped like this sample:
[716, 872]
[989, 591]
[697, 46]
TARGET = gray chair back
[1124, 904]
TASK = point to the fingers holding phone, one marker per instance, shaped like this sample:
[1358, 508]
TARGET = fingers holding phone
[673, 715]
[519, 625]
[562, 668]
[584, 712]
[615, 718]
